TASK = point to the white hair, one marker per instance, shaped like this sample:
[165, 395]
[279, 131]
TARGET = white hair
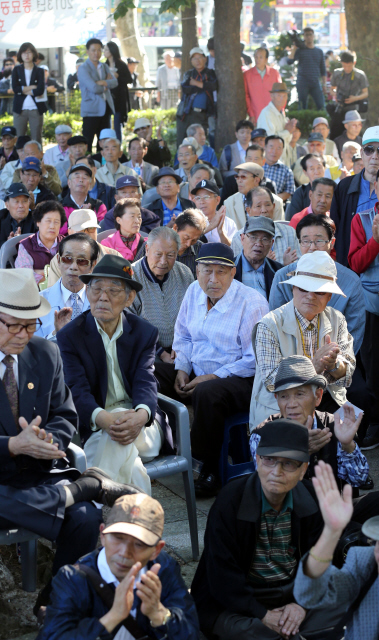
[166, 233]
[112, 140]
[39, 145]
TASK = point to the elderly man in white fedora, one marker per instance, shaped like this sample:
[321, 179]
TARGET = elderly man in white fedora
[249, 175]
[59, 152]
[37, 422]
[304, 326]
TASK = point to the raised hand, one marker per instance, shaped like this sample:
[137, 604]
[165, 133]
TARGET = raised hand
[336, 509]
[346, 429]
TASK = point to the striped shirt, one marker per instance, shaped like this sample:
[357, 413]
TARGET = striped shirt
[159, 301]
[274, 558]
[284, 237]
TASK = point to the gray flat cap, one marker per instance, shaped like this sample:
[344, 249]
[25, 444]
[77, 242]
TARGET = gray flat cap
[259, 223]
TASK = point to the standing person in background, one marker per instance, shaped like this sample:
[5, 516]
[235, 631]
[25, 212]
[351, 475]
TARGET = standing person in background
[96, 82]
[28, 84]
[6, 86]
[274, 120]
[311, 67]
[52, 87]
[353, 126]
[178, 59]
[350, 86]
[158, 152]
[135, 101]
[211, 64]
[168, 82]
[72, 78]
[120, 94]
[258, 83]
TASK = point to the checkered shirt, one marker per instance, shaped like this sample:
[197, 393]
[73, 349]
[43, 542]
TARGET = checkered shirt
[281, 175]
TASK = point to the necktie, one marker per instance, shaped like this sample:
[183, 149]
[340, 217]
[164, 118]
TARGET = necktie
[10, 384]
[75, 305]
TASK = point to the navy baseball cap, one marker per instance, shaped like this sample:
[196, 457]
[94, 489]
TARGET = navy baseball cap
[216, 253]
[16, 189]
[31, 164]
[258, 133]
[9, 131]
[76, 140]
[81, 167]
[208, 185]
[166, 171]
[316, 136]
[127, 181]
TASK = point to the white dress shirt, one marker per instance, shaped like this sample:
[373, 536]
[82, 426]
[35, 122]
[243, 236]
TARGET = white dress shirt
[3, 367]
[28, 103]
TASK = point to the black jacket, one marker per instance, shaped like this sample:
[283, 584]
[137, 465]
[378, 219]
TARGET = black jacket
[44, 194]
[343, 208]
[106, 193]
[209, 79]
[157, 208]
[27, 225]
[269, 271]
[231, 534]
[121, 93]
[299, 201]
[19, 81]
[156, 155]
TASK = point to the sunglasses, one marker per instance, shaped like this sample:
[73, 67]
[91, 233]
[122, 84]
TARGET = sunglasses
[370, 150]
[81, 262]
[317, 293]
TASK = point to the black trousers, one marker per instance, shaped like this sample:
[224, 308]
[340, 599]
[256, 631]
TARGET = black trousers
[93, 125]
[41, 509]
[193, 117]
[370, 357]
[212, 402]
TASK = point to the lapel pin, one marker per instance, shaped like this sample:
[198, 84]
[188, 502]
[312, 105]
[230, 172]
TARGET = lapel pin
[30, 385]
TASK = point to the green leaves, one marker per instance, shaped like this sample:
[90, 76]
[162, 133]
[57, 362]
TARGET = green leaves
[174, 6]
[122, 8]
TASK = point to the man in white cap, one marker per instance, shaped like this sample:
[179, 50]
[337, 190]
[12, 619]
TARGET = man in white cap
[353, 126]
[60, 151]
[158, 152]
[321, 125]
[273, 119]
[355, 194]
[105, 134]
[81, 221]
[134, 588]
[304, 326]
[197, 102]
[37, 422]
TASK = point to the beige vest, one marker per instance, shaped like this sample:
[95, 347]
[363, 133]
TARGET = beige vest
[282, 323]
[236, 211]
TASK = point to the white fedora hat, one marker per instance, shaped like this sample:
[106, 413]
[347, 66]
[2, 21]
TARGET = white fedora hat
[19, 295]
[316, 272]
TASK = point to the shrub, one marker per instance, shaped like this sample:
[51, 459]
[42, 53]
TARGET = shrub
[305, 117]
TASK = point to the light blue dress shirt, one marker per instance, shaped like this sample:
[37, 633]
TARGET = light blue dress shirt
[254, 278]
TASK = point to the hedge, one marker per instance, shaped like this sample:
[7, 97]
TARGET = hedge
[50, 122]
[305, 118]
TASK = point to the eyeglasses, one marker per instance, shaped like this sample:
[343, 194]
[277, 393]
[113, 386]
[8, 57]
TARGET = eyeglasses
[255, 239]
[317, 243]
[112, 292]
[288, 465]
[203, 198]
[81, 262]
[16, 328]
[167, 183]
[317, 293]
[370, 150]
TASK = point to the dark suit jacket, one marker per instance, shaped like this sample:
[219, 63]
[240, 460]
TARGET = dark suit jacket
[343, 208]
[27, 225]
[19, 81]
[157, 207]
[42, 391]
[269, 271]
[85, 365]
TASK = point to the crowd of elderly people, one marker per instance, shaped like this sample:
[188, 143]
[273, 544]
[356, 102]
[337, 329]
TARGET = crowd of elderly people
[122, 279]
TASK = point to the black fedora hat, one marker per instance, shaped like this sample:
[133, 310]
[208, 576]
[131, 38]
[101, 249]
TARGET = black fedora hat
[113, 267]
[165, 171]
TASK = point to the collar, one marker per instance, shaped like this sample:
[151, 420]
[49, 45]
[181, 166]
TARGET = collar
[240, 147]
[40, 243]
[177, 205]
[107, 574]
[278, 163]
[2, 356]
[63, 153]
[66, 293]
[304, 323]
[149, 274]
[224, 304]
[78, 206]
[246, 266]
[309, 210]
[287, 504]
[119, 330]
[107, 170]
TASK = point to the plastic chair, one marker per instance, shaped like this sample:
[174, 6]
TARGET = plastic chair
[236, 447]
[181, 463]
[8, 252]
[105, 234]
[28, 539]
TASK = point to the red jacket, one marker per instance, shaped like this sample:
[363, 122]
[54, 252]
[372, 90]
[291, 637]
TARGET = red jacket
[298, 216]
[361, 252]
[257, 89]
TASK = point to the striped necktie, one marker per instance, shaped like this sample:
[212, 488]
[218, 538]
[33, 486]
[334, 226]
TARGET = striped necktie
[10, 385]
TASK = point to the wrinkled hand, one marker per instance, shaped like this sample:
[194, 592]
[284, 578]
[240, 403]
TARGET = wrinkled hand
[326, 356]
[346, 429]
[291, 618]
[291, 125]
[127, 425]
[318, 438]
[149, 591]
[289, 256]
[168, 357]
[33, 441]
[123, 600]
[344, 173]
[191, 386]
[51, 89]
[171, 223]
[271, 620]
[61, 318]
[13, 234]
[375, 228]
[2, 162]
[182, 378]
[336, 509]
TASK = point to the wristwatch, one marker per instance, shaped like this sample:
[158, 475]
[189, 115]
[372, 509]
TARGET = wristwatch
[338, 362]
[167, 617]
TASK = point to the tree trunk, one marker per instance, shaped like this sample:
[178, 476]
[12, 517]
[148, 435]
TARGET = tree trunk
[231, 102]
[131, 43]
[189, 34]
[362, 23]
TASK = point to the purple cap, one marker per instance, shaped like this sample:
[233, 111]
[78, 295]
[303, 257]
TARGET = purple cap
[127, 181]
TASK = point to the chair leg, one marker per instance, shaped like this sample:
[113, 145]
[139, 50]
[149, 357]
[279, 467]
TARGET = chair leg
[191, 510]
[29, 565]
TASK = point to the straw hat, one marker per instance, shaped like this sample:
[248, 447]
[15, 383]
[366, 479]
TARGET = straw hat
[19, 295]
[316, 272]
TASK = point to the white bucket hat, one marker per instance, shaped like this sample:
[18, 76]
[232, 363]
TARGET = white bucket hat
[192, 141]
[19, 295]
[316, 272]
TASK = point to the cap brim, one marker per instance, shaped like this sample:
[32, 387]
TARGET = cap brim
[272, 233]
[292, 383]
[154, 181]
[195, 190]
[135, 530]
[28, 314]
[315, 285]
[133, 284]
[291, 454]
[85, 225]
[225, 263]
[371, 528]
